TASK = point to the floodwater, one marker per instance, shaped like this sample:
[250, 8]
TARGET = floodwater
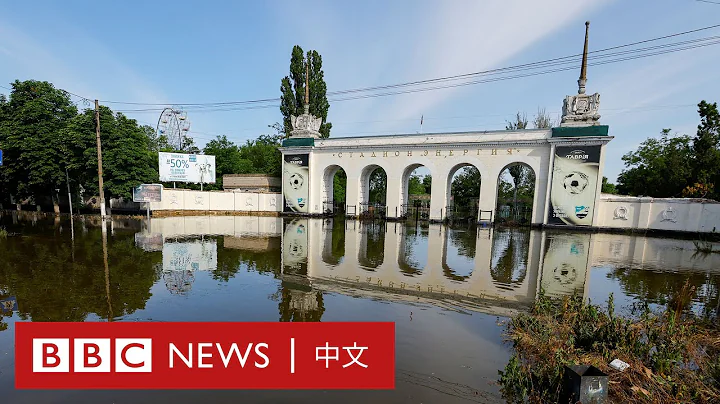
[447, 289]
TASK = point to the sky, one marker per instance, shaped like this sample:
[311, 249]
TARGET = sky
[164, 52]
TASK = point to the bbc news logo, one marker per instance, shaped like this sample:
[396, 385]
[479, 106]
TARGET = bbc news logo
[92, 355]
[205, 355]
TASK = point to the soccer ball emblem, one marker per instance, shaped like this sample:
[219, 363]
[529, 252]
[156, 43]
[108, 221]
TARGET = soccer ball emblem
[575, 182]
[296, 181]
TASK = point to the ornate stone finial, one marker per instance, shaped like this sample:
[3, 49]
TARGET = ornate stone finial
[581, 109]
[306, 125]
[583, 69]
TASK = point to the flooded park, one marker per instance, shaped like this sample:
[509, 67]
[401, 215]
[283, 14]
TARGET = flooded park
[447, 289]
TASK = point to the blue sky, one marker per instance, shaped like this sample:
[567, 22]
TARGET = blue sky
[183, 51]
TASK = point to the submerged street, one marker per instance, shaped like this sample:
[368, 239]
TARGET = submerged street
[448, 290]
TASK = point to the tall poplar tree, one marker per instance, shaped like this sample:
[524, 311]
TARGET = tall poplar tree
[292, 87]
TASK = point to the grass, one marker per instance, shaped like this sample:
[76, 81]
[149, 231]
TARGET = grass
[673, 356]
[3, 232]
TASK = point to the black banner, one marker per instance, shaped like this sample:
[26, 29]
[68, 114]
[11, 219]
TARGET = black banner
[574, 181]
[296, 183]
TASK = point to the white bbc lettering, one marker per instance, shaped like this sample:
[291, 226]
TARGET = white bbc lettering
[225, 355]
[51, 355]
[133, 355]
[91, 355]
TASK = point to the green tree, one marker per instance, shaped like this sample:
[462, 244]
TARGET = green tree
[228, 159]
[378, 186]
[519, 123]
[292, 89]
[706, 146]
[339, 186]
[34, 142]
[264, 155]
[427, 183]
[542, 120]
[127, 151]
[465, 186]
[660, 167]
[608, 187]
[415, 186]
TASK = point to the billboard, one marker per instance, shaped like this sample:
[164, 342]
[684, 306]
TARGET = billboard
[148, 193]
[565, 264]
[190, 255]
[177, 167]
[574, 182]
[295, 188]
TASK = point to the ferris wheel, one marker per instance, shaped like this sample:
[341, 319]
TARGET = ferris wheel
[173, 123]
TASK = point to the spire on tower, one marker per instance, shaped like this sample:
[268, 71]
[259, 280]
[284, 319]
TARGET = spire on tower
[307, 87]
[583, 69]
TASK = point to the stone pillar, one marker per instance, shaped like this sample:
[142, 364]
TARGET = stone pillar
[598, 189]
[548, 186]
[352, 192]
[438, 196]
[488, 195]
[394, 189]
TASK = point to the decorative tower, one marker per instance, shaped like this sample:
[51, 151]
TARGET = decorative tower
[581, 109]
[306, 125]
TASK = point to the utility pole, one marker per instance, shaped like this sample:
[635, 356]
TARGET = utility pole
[72, 224]
[99, 153]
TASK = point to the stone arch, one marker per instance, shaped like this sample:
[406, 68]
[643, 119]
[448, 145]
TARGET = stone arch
[405, 189]
[364, 194]
[518, 205]
[463, 209]
[327, 189]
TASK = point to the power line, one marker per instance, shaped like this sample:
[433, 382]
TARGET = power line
[562, 66]
[564, 59]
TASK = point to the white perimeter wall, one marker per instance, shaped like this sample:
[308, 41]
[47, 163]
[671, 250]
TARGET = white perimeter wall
[674, 214]
[181, 199]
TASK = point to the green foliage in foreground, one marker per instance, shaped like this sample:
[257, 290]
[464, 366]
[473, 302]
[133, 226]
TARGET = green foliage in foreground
[673, 357]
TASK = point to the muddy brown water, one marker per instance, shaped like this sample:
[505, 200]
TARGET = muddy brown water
[448, 290]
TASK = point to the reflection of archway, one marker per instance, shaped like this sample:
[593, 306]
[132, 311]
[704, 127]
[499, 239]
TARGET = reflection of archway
[412, 257]
[515, 193]
[329, 193]
[334, 246]
[509, 262]
[463, 192]
[372, 245]
[460, 246]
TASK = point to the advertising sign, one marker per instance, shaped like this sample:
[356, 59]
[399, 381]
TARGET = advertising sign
[148, 193]
[197, 168]
[295, 188]
[574, 181]
[192, 255]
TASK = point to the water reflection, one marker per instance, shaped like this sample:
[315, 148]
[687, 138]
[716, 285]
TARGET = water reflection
[433, 281]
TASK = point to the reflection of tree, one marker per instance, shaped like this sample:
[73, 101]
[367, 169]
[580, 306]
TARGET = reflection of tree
[230, 260]
[666, 288]
[50, 286]
[466, 243]
[510, 253]
[334, 248]
[300, 305]
[407, 260]
[372, 253]
[178, 282]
